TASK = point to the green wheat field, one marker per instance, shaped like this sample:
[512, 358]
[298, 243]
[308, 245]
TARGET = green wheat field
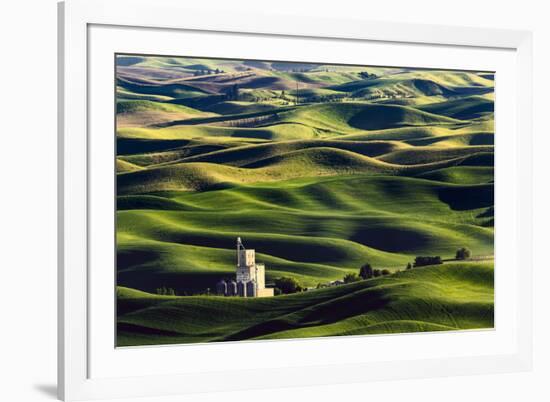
[322, 169]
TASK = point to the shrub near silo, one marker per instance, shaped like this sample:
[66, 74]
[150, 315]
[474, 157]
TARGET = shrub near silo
[287, 285]
[463, 253]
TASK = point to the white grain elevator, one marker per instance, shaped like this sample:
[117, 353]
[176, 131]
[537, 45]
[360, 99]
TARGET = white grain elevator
[250, 274]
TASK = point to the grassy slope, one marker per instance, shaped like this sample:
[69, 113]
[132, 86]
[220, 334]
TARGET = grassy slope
[303, 163]
[448, 297]
[278, 132]
[462, 174]
[200, 176]
[123, 166]
[463, 108]
[132, 106]
[427, 132]
[308, 121]
[418, 85]
[421, 155]
[232, 107]
[455, 140]
[342, 117]
[148, 112]
[313, 229]
[250, 153]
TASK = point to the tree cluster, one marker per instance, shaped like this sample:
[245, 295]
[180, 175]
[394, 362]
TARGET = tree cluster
[286, 285]
[367, 272]
[422, 261]
[197, 73]
[164, 291]
[366, 76]
[350, 278]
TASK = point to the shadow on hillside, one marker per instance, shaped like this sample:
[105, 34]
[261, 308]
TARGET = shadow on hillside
[328, 312]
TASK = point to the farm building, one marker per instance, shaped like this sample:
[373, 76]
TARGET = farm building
[250, 276]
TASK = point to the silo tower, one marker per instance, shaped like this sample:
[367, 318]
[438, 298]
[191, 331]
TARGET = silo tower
[246, 263]
[250, 274]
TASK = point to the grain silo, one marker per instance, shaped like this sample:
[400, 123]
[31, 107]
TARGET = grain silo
[250, 273]
[241, 289]
[221, 288]
[231, 288]
[251, 289]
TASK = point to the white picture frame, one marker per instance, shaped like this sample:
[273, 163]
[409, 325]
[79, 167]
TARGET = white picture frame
[77, 379]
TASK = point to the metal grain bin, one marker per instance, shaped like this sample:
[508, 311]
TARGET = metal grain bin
[231, 288]
[241, 289]
[251, 290]
[221, 288]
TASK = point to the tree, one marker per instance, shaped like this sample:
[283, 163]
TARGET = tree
[385, 272]
[463, 253]
[350, 278]
[376, 273]
[409, 265]
[287, 285]
[365, 271]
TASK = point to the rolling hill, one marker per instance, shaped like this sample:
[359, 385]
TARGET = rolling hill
[448, 297]
[375, 219]
[463, 108]
[319, 168]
